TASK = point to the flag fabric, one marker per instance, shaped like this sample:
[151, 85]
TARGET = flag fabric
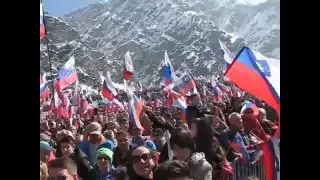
[108, 90]
[228, 55]
[135, 108]
[238, 146]
[250, 105]
[270, 161]
[67, 75]
[42, 26]
[169, 74]
[179, 101]
[128, 71]
[184, 84]
[257, 75]
[118, 104]
[44, 90]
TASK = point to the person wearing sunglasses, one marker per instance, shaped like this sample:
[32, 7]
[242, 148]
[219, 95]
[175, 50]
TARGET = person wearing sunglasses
[103, 167]
[141, 164]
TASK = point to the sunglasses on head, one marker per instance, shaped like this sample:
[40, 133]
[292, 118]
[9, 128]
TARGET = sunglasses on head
[144, 157]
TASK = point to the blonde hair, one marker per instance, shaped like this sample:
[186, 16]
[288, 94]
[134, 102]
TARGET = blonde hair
[43, 171]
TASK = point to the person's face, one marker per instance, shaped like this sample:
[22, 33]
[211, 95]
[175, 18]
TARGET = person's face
[124, 126]
[181, 154]
[142, 161]
[261, 116]
[237, 122]
[44, 155]
[59, 174]
[215, 122]
[123, 142]
[94, 138]
[136, 132]
[66, 149]
[196, 100]
[103, 161]
[249, 113]
[156, 136]
[193, 129]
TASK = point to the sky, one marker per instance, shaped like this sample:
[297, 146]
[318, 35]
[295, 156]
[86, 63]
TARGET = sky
[62, 7]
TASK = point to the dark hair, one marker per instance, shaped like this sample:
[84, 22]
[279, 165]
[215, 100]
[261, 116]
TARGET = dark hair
[219, 156]
[204, 136]
[120, 173]
[181, 124]
[182, 138]
[122, 120]
[64, 163]
[122, 132]
[66, 139]
[172, 169]
[131, 173]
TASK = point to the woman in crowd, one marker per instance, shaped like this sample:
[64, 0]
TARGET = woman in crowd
[202, 132]
[141, 164]
[221, 167]
[184, 149]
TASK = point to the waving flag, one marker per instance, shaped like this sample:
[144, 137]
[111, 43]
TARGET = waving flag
[169, 75]
[184, 84]
[228, 55]
[179, 101]
[44, 90]
[67, 75]
[42, 26]
[270, 161]
[238, 146]
[257, 75]
[135, 108]
[250, 105]
[108, 90]
[128, 71]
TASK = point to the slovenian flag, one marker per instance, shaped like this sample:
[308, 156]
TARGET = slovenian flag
[238, 146]
[184, 84]
[257, 75]
[250, 105]
[42, 26]
[228, 55]
[168, 72]
[135, 107]
[128, 71]
[108, 90]
[44, 90]
[179, 101]
[67, 75]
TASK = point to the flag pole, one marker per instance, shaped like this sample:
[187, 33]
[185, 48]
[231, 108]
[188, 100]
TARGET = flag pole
[48, 52]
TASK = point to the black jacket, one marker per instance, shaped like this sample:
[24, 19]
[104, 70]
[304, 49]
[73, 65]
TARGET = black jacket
[83, 165]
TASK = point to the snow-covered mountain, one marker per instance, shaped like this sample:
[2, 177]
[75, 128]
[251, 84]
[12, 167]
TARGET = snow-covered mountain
[100, 34]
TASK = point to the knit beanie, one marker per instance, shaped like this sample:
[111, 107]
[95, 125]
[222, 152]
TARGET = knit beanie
[45, 146]
[105, 151]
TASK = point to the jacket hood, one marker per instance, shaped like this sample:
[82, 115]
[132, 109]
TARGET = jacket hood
[197, 158]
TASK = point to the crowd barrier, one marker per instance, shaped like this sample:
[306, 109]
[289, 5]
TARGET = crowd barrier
[242, 171]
